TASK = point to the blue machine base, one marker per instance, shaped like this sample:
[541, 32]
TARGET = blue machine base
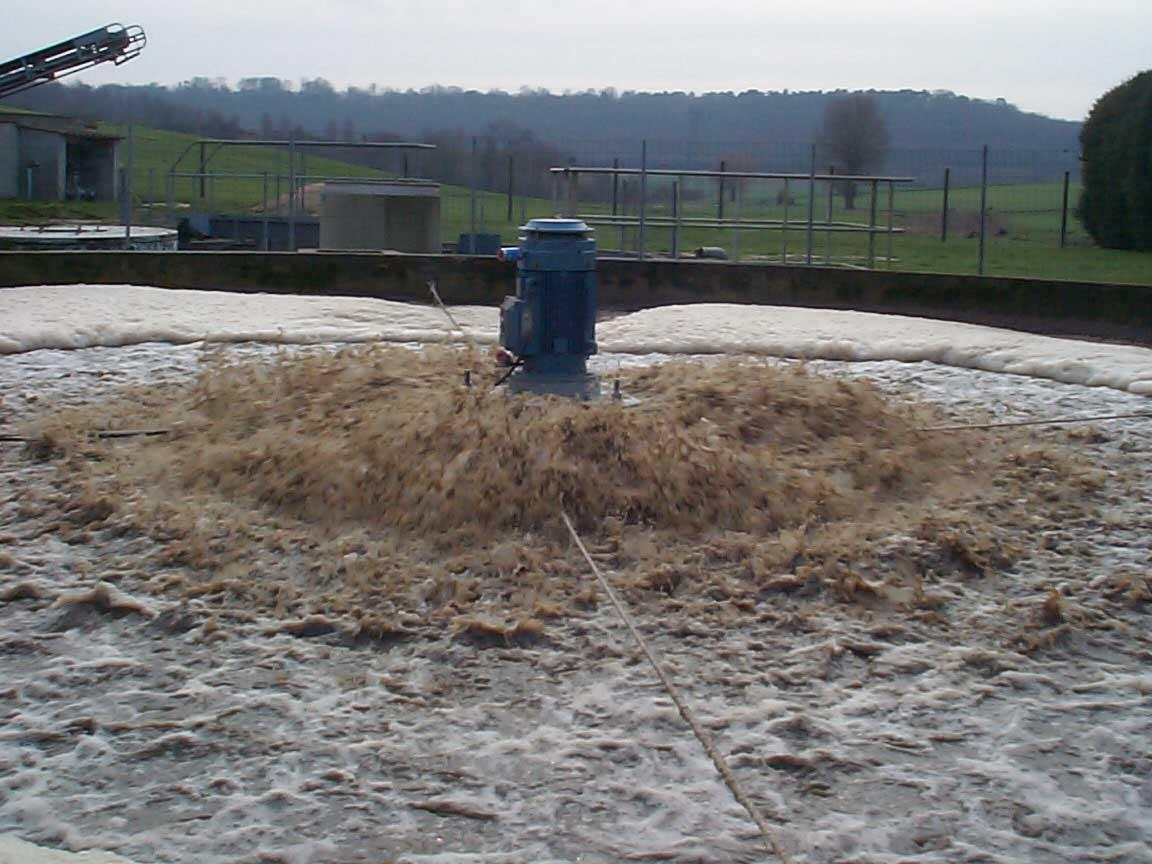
[582, 386]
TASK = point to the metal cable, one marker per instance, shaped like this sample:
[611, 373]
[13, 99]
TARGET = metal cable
[771, 842]
[1055, 421]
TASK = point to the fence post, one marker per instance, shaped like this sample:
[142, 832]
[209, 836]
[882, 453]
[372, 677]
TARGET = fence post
[1064, 212]
[511, 187]
[643, 198]
[811, 203]
[292, 191]
[573, 194]
[203, 171]
[891, 216]
[615, 185]
[944, 206]
[828, 220]
[472, 172]
[128, 187]
[264, 215]
[738, 191]
[171, 196]
[720, 196]
[983, 204]
[676, 220]
[784, 230]
[151, 196]
[872, 225]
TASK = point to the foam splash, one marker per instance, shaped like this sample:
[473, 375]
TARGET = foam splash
[82, 316]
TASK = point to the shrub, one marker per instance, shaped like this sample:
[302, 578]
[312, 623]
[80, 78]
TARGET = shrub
[1116, 205]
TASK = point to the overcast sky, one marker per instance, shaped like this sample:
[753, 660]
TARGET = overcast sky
[1053, 57]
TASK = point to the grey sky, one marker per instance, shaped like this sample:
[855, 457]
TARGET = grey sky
[1053, 57]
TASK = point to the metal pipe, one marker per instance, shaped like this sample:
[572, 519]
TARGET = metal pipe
[355, 145]
[743, 175]
[676, 219]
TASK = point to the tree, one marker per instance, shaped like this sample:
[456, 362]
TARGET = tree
[1116, 142]
[854, 136]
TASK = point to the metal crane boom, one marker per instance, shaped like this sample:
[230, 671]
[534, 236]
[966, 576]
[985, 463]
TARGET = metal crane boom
[112, 44]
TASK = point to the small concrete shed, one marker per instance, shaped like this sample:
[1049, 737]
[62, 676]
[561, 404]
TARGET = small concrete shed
[401, 216]
[44, 157]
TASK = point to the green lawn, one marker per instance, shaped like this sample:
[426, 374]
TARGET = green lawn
[1023, 220]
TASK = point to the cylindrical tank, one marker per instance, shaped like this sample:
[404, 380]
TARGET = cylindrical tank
[550, 325]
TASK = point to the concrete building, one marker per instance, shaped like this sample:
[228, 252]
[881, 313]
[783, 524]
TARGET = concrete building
[401, 216]
[48, 158]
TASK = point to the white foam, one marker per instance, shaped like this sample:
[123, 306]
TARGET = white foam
[830, 334]
[87, 316]
[13, 850]
[82, 316]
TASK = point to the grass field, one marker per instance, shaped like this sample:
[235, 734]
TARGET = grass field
[1022, 238]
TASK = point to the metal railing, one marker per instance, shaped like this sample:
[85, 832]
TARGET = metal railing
[566, 203]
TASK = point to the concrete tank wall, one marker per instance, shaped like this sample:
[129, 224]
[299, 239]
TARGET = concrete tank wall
[1057, 308]
[400, 217]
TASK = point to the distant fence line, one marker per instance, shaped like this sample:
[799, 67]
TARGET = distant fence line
[690, 188]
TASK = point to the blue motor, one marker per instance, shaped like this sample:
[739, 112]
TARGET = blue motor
[549, 327]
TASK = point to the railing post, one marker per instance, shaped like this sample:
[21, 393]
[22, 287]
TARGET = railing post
[944, 207]
[1064, 212]
[643, 198]
[811, 203]
[983, 205]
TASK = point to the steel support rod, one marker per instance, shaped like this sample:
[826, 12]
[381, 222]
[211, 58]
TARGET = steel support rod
[1064, 211]
[983, 205]
[784, 230]
[828, 219]
[643, 198]
[615, 185]
[891, 226]
[944, 206]
[264, 214]
[472, 180]
[872, 225]
[811, 204]
[720, 194]
[292, 193]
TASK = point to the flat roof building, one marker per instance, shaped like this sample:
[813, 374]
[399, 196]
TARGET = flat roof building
[44, 157]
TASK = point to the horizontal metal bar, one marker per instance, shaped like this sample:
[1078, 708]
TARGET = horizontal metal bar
[196, 175]
[748, 175]
[743, 225]
[267, 142]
